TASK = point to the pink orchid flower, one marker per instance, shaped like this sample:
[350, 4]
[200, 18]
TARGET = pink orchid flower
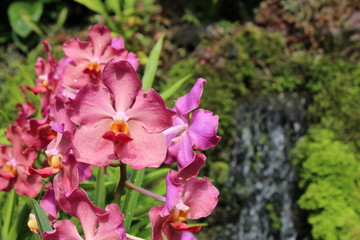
[14, 164]
[130, 127]
[89, 58]
[96, 223]
[49, 203]
[48, 82]
[189, 133]
[58, 151]
[185, 199]
[46, 72]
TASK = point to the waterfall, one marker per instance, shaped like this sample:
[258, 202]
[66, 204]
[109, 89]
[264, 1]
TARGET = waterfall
[262, 179]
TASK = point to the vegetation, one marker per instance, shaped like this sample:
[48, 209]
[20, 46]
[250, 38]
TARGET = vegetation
[307, 47]
[329, 176]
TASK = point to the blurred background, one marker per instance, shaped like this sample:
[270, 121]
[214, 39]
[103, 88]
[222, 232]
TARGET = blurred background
[284, 77]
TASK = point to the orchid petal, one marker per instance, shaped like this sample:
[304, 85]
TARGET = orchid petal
[48, 202]
[64, 230]
[123, 83]
[74, 76]
[201, 197]
[193, 168]
[28, 185]
[146, 150]
[90, 106]
[117, 43]
[100, 38]
[90, 147]
[191, 100]
[157, 223]
[151, 112]
[203, 129]
[78, 50]
[111, 224]
[80, 206]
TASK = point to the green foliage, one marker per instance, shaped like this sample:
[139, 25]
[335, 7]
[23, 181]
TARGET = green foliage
[329, 173]
[19, 72]
[336, 84]
[41, 218]
[239, 62]
[258, 44]
[23, 17]
[274, 218]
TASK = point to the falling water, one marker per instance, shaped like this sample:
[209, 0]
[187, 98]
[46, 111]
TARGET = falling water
[262, 178]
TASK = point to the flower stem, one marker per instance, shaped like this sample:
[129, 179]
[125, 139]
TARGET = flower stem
[116, 163]
[141, 190]
[121, 184]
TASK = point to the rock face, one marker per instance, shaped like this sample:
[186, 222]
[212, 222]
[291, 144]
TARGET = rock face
[262, 178]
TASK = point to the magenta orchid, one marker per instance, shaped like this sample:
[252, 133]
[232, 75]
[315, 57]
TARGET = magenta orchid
[89, 58]
[94, 113]
[96, 223]
[14, 164]
[185, 199]
[189, 134]
[129, 129]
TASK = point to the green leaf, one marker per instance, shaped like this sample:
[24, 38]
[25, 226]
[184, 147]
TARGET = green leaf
[10, 205]
[98, 7]
[151, 67]
[24, 43]
[94, 5]
[87, 186]
[18, 231]
[129, 7]
[100, 190]
[173, 88]
[31, 24]
[60, 20]
[131, 198]
[41, 218]
[114, 6]
[3, 139]
[23, 15]
[155, 175]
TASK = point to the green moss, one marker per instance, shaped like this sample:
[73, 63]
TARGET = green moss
[273, 216]
[329, 173]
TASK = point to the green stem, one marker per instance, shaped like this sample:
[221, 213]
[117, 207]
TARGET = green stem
[121, 184]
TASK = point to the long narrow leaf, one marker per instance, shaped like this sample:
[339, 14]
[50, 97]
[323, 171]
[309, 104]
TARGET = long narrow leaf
[173, 88]
[98, 7]
[94, 5]
[100, 189]
[114, 5]
[151, 67]
[132, 198]
[17, 230]
[30, 23]
[10, 205]
[60, 20]
[155, 175]
[41, 218]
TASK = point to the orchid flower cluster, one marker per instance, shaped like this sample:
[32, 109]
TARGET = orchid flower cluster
[95, 114]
